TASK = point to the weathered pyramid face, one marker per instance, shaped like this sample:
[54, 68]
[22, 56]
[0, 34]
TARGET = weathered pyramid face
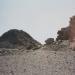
[15, 38]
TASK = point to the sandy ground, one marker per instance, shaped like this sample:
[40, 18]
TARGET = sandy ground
[39, 62]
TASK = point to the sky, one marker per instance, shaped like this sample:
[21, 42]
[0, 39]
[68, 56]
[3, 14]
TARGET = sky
[40, 18]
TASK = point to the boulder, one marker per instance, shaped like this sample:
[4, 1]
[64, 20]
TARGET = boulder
[49, 41]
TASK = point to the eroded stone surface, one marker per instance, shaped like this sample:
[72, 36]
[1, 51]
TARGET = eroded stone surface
[18, 38]
[72, 29]
[63, 34]
[72, 32]
[49, 41]
[68, 33]
[39, 62]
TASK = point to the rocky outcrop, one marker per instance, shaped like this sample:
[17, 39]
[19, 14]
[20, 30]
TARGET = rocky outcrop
[72, 32]
[17, 38]
[68, 33]
[72, 28]
[63, 34]
[49, 41]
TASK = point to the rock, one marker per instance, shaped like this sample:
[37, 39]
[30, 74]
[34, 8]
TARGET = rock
[63, 34]
[49, 41]
[39, 62]
[65, 43]
[72, 32]
[72, 28]
[68, 33]
[17, 38]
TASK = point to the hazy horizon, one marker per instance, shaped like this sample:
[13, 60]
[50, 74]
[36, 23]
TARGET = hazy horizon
[40, 18]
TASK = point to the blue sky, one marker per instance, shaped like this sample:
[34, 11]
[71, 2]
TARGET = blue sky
[40, 18]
